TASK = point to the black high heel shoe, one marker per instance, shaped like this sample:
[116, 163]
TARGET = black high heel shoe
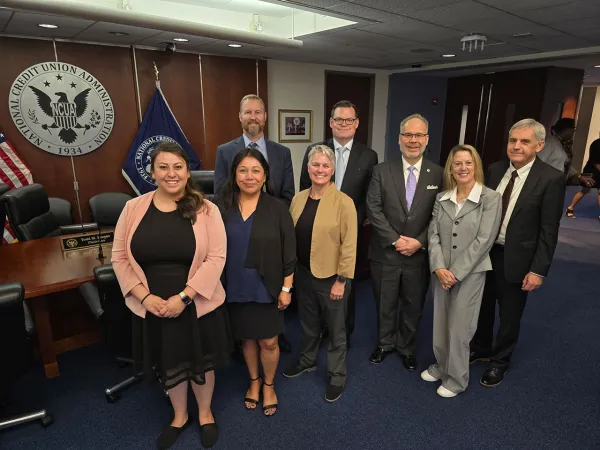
[273, 406]
[253, 401]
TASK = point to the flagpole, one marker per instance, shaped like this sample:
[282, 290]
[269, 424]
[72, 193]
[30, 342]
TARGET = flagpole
[76, 187]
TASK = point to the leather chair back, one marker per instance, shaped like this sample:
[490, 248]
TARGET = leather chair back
[204, 180]
[29, 214]
[15, 345]
[61, 209]
[4, 188]
[116, 317]
[107, 207]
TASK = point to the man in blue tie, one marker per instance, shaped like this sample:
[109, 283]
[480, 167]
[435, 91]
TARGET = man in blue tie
[253, 118]
[399, 206]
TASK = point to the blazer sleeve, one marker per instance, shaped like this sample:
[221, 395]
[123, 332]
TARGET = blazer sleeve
[551, 211]
[288, 242]
[123, 269]
[221, 170]
[208, 276]
[436, 256]
[349, 234]
[384, 230]
[483, 242]
[287, 189]
[304, 178]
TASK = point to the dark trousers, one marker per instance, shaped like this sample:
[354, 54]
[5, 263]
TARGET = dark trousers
[399, 298]
[314, 305]
[511, 300]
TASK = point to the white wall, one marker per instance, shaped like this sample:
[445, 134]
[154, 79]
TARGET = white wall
[302, 86]
[594, 132]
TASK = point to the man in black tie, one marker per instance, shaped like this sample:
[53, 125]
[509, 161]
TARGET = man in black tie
[354, 165]
[253, 118]
[399, 206]
[532, 199]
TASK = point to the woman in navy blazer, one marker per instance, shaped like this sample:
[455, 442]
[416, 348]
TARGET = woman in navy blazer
[465, 224]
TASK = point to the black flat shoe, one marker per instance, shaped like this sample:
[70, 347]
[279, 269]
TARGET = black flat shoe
[409, 362]
[379, 355]
[209, 434]
[493, 376]
[168, 437]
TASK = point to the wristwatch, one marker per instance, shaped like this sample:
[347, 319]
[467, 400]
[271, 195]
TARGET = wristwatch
[286, 289]
[185, 298]
[341, 279]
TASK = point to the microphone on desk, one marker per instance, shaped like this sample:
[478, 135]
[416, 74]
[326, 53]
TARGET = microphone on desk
[100, 250]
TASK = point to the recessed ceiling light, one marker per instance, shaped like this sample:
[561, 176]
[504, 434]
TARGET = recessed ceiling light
[234, 45]
[448, 55]
[180, 39]
[118, 33]
[47, 25]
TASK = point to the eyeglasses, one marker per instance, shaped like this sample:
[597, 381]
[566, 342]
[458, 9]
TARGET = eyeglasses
[340, 121]
[409, 136]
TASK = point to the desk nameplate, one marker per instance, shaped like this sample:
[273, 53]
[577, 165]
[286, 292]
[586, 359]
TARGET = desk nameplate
[69, 243]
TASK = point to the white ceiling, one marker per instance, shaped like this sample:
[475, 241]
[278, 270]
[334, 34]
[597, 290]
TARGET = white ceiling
[389, 34]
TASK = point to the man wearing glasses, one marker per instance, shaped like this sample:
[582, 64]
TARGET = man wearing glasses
[354, 164]
[399, 206]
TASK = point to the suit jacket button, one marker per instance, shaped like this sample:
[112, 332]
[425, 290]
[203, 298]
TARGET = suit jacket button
[454, 234]
[456, 223]
[454, 247]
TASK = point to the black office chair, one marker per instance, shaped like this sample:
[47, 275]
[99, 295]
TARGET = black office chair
[106, 302]
[204, 180]
[107, 207]
[28, 211]
[61, 209]
[16, 349]
[3, 189]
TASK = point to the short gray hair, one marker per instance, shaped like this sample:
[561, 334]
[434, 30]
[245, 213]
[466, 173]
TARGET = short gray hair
[320, 148]
[414, 116]
[538, 129]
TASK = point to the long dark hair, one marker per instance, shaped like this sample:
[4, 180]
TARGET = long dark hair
[231, 190]
[192, 200]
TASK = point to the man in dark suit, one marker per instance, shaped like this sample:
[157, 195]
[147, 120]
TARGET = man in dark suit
[354, 165]
[399, 206]
[253, 118]
[532, 199]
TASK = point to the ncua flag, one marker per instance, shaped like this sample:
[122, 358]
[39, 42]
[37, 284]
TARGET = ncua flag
[159, 125]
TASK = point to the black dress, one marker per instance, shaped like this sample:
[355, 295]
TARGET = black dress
[186, 347]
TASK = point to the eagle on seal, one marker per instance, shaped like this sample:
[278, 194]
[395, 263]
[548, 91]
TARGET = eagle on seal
[64, 113]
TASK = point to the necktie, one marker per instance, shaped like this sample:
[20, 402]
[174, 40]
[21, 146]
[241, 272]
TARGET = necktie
[254, 146]
[340, 168]
[507, 193]
[411, 186]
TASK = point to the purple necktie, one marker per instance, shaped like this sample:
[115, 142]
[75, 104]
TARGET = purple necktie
[411, 187]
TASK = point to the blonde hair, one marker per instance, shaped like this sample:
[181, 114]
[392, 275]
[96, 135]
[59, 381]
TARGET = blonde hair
[449, 181]
[251, 97]
[320, 148]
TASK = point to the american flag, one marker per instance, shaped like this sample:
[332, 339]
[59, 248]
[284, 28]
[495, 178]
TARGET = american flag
[13, 172]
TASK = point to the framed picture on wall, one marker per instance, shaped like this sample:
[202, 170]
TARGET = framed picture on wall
[295, 125]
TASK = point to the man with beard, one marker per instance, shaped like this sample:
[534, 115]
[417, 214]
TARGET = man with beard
[399, 206]
[253, 118]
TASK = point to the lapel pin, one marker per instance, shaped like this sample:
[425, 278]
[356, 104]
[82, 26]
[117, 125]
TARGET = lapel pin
[428, 170]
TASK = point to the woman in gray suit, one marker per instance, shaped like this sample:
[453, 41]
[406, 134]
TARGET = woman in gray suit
[465, 224]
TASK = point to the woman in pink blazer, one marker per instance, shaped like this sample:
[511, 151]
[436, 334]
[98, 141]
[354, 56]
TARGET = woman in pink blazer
[168, 255]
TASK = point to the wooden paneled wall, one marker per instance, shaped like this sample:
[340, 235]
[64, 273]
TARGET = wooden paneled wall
[203, 92]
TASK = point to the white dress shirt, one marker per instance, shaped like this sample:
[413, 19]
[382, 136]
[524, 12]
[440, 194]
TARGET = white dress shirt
[474, 197]
[417, 171]
[522, 174]
[345, 155]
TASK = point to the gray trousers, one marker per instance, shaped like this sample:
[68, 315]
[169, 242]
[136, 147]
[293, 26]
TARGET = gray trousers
[313, 304]
[455, 315]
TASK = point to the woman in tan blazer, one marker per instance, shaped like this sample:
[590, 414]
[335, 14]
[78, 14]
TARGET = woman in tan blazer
[326, 228]
[168, 255]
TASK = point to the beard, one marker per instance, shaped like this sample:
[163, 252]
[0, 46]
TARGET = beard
[253, 128]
